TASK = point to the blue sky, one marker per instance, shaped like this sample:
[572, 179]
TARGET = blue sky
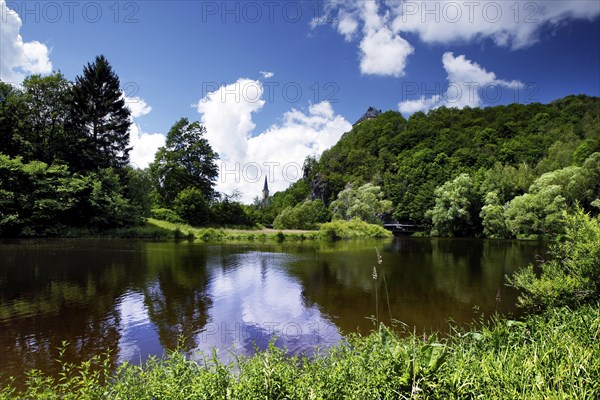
[275, 81]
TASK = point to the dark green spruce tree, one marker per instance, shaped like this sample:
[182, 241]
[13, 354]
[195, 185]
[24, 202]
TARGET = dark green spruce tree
[100, 119]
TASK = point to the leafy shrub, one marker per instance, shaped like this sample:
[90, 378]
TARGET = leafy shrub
[492, 217]
[211, 234]
[538, 214]
[165, 214]
[455, 210]
[228, 212]
[572, 277]
[306, 215]
[41, 199]
[280, 236]
[353, 229]
[191, 205]
[364, 202]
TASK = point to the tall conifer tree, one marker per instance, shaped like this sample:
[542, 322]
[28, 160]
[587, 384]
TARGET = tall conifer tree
[100, 117]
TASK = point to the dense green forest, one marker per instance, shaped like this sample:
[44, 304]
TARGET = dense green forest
[504, 171]
[64, 155]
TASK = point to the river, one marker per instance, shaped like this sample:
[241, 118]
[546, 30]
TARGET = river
[139, 298]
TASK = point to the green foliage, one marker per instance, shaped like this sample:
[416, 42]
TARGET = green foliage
[106, 205]
[13, 112]
[572, 277]
[586, 149]
[32, 196]
[507, 181]
[37, 199]
[225, 234]
[492, 218]
[497, 146]
[138, 186]
[298, 192]
[365, 202]
[560, 155]
[588, 182]
[456, 206]
[64, 155]
[33, 120]
[228, 212]
[44, 133]
[353, 229]
[186, 161]
[166, 214]
[306, 215]
[538, 214]
[191, 205]
[212, 235]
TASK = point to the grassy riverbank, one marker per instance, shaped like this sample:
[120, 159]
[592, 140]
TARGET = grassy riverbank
[336, 230]
[232, 234]
[162, 230]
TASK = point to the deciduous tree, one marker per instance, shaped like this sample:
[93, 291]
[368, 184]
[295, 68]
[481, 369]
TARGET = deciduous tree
[187, 160]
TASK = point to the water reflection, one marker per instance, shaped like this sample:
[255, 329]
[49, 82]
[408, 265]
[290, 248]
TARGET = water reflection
[140, 298]
[60, 292]
[175, 295]
[429, 281]
[255, 300]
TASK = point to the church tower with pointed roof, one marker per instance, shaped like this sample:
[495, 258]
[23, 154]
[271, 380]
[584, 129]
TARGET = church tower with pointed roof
[265, 193]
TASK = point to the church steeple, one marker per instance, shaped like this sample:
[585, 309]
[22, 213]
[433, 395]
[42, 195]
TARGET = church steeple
[265, 192]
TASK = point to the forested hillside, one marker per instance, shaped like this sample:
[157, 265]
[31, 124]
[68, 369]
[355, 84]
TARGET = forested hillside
[442, 168]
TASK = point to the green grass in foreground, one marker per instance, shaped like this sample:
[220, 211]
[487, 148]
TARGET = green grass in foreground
[553, 355]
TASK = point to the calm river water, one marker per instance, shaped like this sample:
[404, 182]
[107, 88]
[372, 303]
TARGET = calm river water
[139, 298]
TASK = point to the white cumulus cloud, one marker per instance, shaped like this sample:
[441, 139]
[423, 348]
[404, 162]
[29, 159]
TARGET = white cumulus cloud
[227, 115]
[144, 146]
[382, 25]
[506, 23]
[347, 25]
[137, 106]
[467, 80]
[382, 51]
[267, 74]
[277, 153]
[18, 58]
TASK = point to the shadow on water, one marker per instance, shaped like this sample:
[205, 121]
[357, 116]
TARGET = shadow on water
[140, 298]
